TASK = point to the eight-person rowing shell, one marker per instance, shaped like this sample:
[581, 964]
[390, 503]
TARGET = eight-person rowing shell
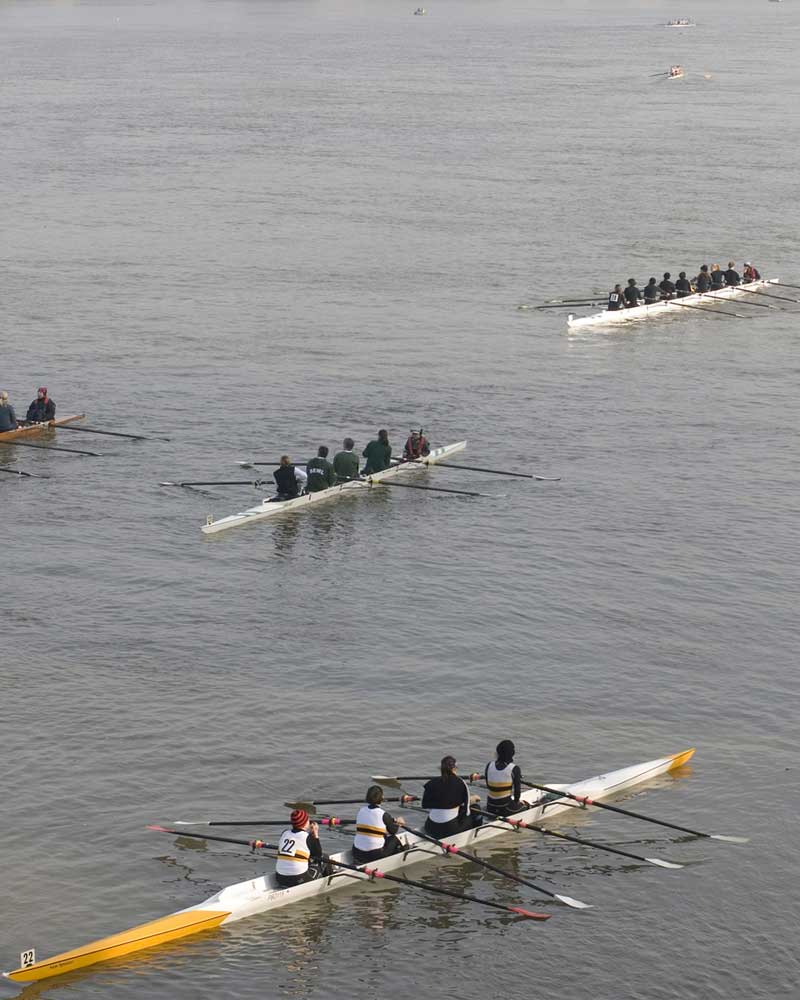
[707, 280]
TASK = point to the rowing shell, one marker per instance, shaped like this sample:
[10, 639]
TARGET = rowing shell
[34, 429]
[260, 894]
[672, 305]
[271, 508]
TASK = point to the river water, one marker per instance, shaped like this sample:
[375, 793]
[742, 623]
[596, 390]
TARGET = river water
[255, 227]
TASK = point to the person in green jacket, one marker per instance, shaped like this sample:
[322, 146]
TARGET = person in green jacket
[378, 454]
[345, 463]
[320, 471]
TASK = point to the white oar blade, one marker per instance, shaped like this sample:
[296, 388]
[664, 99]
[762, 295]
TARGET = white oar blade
[386, 781]
[574, 903]
[663, 864]
[191, 822]
[245, 465]
[730, 840]
[309, 807]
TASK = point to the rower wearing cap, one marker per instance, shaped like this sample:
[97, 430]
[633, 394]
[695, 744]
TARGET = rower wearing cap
[750, 272]
[616, 299]
[504, 781]
[667, 287]
[632, 294]
[449, 802]
[376, 831]
[42, 409]
[651, 292]
[289, 479]
[8, 418]
[299, 852]
[378, 454]
[732, 276]
[683, 286]
[416, 446]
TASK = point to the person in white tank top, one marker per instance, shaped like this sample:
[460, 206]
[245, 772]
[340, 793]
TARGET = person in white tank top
[299, 852]
[504, 782]
[376, 831]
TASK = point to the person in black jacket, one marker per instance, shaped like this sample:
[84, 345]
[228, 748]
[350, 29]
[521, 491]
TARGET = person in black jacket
[632, 294]
[667, 287]
[616, 300]
[448, 802]
[732, 276]
[651, 292]
[683, 286]
[717, 278]
[42, 408]
[703, 280]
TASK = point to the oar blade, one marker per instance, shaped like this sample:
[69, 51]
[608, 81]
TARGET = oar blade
[663, 864]
[728, 839]
[386, 781]
[529, 914]
[310, 807]
[191, 822]
[576, 904]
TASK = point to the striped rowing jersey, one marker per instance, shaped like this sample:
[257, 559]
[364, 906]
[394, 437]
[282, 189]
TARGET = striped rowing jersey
[503, 788]
[371, 831]
[293, 853]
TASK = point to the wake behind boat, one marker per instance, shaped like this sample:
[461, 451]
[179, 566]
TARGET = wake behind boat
[258, 895]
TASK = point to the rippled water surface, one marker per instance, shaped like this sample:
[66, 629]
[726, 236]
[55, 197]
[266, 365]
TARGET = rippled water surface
[252, 227]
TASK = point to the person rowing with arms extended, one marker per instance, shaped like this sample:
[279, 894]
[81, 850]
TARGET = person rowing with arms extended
[42, 409]
[416, 446]
[289, 480]
[504, 781]
[449, 803]
[378, 454]
[8, 418]
[299, 852]
[376, 831]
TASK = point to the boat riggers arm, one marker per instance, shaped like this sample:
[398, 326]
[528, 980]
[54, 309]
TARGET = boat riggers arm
[585, 801]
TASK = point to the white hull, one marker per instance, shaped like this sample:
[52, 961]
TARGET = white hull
[672, 306]
[268, 509]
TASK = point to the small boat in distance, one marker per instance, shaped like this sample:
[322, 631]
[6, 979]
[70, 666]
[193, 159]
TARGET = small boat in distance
[420, 10]
[680, 22]
[675, 72]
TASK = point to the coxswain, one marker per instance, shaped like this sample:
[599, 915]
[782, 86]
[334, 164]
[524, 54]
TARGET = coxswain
[616, 299]
[717, 278]
[732, 276]
[376, 831]
[683, 286]
[449, 802]
[632, 294]
[42, 409]
[750, 272]
[504, 781]
[345, 462]
[667, 287]
[299, 852]
[416, 446]
[651, 292]
[289, 479]
[319, 471]
[703, 280]
[378, 454]
[8, 418]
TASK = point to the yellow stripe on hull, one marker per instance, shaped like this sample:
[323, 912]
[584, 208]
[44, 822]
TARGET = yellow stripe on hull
[176, 925]
[681, 758]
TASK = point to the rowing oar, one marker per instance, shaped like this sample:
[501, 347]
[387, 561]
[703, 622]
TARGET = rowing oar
[371, 873]
[452, 849]
[394, 782]
[119, 434]
[761, 305]
[478, 468]
[784, 284]
[433, 489]
[708, 312]
[48, 447]
[561, 305]
[769, 295]
[255, 483]
[324, 821]
[19, 472]
[586, 801]
[309, 804]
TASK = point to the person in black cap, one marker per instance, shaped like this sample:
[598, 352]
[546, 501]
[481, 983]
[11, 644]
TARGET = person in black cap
[504, 781]
[616, 300]
[667, 287]
[683, 286]
[651, 292]
[632, 294]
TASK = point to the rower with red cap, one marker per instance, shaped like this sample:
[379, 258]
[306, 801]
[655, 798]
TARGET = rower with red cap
[299, 852]
[449, 802]
[416, 446]
[42, 409]
[376, 831]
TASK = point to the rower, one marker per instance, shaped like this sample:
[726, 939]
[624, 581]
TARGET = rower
[378, 454]
[320, 471]
[8, 418]
[449, 802]
[632, 294]
[651, 292]
[504, 781]
[732, 276]
[667, 287]
[416, 446]
[616, 300]
[376, 831]
[299, 852]
[703, 280]
[289, 479]
[42, 409]
[750, 272]
[345, 462]
[683, 286]
[717, 278]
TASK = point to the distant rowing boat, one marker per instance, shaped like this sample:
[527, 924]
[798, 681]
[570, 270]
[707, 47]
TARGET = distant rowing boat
[272, 508]
[657, 309]
[260, 894]
[34, 429]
